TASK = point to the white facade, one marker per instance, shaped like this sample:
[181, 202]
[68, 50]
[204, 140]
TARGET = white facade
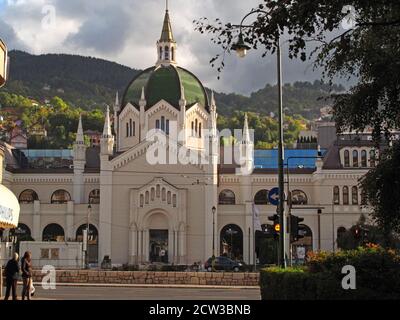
[163, 212]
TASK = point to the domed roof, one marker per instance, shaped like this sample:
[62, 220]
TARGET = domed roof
[165, 82]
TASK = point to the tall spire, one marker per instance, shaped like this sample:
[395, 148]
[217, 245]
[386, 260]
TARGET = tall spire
[117, 99]
[79, 134]
[107, 125]
[166, 33]
[246, 133]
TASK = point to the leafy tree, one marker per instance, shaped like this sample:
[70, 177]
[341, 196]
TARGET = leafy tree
[369, 51]
[381, 187]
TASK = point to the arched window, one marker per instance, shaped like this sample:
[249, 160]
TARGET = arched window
[93, 233]
[345, 195]
[166, 53]
[169, 197]
[141, 200]
[22, 232]
[261, 197]
[130, 127]
[226, 197]
[299, 197]
[53, 232]
[28, 196]
[163, 194]
[355, 158]
[336, 195]
[167, 126]
[60, 196]
[231, 244]
[192, 129]
[354, 195]
[174, 203]
[146, 197]
[133, 128]
[157, 124]
[173, 54]
[94, 196]
[160, 53]
[200, 130]
[372, 156]
[127, 129]
[152, 194]
[195, 127]
[346, 158]
[163, 123]
[363, 158]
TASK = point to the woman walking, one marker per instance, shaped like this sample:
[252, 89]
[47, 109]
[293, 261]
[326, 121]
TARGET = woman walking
[12, 274]
[26, 267]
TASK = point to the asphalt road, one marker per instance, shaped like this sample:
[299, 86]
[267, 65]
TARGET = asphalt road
[140, 293]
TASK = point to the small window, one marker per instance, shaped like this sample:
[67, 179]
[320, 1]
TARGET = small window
[173, 54]
[363, 158]
[141, 200]
[355, 158]
[372, 157]
[133, 128]
[130, 127]
[354, 195]
[227, 197]
[163, 123]
[160, 53]
[60, 196]
[336, 195]
[127, 129]
[94, 196]
[192, 129]
[28, 196]
[261, 197]
[345, 195]
[157, 124]
[147, 195]
[200, 130]
[167, 126]
[174, 200]
[346, 158]
[299, 197]
[166, 51]
[195, 127]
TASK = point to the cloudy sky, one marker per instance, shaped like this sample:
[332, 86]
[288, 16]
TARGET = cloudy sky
[125, 31]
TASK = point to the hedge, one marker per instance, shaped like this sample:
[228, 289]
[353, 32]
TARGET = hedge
[377, 277]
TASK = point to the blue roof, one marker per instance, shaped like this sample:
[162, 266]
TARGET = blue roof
[269, 158]
[56, 153]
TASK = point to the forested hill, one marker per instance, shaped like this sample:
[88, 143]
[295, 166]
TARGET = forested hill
[81, 81]
[90, 82]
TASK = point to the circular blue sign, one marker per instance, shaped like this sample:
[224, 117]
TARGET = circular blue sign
[273, 196]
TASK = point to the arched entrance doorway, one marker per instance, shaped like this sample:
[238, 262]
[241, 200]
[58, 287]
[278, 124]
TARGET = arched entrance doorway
[158, 238]
[53, 232]
[301, 247]
[231, 243]
[93, 244]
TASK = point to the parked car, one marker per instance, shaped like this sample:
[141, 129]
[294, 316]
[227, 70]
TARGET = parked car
[224, 263]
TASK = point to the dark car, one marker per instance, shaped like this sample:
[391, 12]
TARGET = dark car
[224, 263]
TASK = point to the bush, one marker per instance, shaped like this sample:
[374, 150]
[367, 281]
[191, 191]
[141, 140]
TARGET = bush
[377, 277]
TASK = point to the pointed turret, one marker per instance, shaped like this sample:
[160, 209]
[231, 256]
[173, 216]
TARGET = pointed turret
[79, 134]
[107, 139]
[116, 104]
[246, 133]
[166, 45]
[246, 150]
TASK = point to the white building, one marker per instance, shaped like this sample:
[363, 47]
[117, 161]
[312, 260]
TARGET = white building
[143, 212]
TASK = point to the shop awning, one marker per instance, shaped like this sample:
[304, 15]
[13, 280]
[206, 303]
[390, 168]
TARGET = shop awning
[9, 209]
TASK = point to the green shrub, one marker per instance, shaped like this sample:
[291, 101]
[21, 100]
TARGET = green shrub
[377, 277]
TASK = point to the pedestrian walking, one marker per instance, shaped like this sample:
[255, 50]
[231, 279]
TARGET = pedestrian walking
[12, 275]
[26, 268]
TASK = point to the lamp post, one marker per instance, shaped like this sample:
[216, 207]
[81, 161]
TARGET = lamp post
[87, 236]
[213, 240]
[241, 48]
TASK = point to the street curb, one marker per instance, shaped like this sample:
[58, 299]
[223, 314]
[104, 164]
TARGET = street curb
[172, 286]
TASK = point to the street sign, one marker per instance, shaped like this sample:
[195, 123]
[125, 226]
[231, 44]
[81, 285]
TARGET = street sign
[3, 63]
[273, 196]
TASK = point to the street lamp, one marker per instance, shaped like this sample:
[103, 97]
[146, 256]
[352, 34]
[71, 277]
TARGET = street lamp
[213, 241]
[241, 48]
[87, 236]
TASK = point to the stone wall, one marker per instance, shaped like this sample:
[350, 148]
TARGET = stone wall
[153, 277]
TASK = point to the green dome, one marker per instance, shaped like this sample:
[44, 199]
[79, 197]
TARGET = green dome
[165, 82]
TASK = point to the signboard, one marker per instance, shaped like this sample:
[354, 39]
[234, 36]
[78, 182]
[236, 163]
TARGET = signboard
[273, 196]
[3, 63]
[9, 209]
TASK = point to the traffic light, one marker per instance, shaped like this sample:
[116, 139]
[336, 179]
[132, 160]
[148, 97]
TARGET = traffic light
[294, 228]
[276, 226]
